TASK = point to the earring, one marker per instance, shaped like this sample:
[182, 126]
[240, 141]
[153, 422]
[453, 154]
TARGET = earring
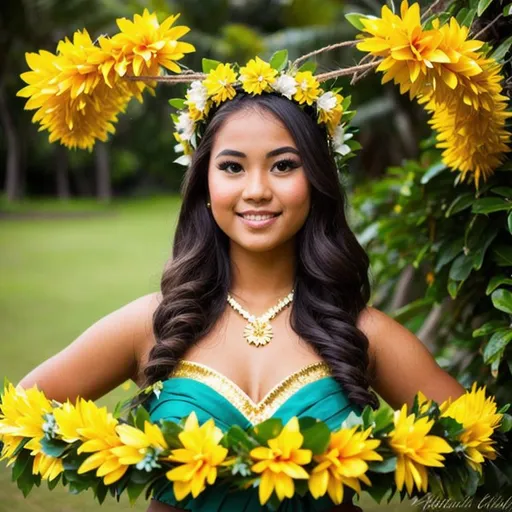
[208, 204]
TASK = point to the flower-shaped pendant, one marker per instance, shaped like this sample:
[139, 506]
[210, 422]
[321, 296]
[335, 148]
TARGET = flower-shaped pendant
[258, 333]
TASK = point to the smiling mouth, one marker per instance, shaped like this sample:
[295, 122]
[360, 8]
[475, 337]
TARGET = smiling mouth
[258, 217]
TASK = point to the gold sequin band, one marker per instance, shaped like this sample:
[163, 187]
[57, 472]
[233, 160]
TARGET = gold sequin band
[264, 409]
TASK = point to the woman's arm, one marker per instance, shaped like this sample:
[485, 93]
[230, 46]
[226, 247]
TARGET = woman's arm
[102, 357]
[402, 365]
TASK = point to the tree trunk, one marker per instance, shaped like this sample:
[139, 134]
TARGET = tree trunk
[61, 173]
[13, 174]
[104, 191]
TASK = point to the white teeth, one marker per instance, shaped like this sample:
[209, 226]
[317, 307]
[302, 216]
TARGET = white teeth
[257, 217]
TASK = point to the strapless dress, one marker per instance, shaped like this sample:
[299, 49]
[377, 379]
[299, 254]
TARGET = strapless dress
[311, 391]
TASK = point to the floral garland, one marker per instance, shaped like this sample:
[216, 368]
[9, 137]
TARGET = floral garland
[446, 449]
[257, 77]
[79, 91]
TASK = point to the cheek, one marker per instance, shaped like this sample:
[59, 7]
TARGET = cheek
[295, 194]
[222, 194]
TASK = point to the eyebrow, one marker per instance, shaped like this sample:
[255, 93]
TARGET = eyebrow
[270, 154]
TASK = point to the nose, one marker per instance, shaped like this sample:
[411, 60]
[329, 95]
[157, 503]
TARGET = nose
[257, 187]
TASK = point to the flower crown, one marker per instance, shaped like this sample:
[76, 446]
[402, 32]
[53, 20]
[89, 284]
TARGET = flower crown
[278, 76]
[79, 91]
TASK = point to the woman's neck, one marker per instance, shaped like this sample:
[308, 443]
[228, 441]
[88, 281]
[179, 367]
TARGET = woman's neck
[261, 279]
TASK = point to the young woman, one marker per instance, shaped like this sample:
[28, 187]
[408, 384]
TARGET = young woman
[263, 215]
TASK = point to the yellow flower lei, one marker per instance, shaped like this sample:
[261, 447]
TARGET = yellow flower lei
[84, 446]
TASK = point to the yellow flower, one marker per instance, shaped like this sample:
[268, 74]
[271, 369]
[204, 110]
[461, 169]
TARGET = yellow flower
[408, 50]
[219, 83]
[96, 429]
[308, 88]
[477, 414]
[27, 414]
[415, 450]
[73, 103]
[140, 448]
[344, 463]
[200, 457]
[330, 110]
[423, 402]
[475, 140]
[48, 467]
[257, 76]
[185, 145]
[146, 44]
[281, 462]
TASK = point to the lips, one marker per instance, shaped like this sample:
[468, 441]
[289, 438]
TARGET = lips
[265, 215]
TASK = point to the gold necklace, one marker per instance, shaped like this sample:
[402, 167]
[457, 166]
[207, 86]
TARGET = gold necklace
[258, 331]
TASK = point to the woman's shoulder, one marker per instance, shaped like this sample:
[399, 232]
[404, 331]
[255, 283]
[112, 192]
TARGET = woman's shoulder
[140, 313]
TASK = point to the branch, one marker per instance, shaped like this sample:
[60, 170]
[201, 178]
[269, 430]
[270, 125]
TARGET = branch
[488, 26]
[347, 71]
[181, 78]
[324, 49]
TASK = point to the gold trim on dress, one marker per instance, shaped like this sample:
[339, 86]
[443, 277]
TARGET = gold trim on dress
[266, 407]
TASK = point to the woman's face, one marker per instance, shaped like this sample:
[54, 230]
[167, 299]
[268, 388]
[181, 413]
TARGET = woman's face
[255, 167]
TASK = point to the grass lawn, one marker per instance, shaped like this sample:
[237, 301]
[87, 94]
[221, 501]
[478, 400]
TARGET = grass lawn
[60, 275]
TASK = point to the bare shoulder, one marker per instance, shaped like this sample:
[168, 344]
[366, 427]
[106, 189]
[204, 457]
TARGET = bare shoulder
[102, 357]
[400, 363]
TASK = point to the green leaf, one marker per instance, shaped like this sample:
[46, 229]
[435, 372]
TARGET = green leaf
[454, 287]
[354, 18]
[461, 268]
[479, 252]
[497, 344]
[460, 203]
[385, 466]
[507, 10]
[447, 252]
[503, 191]
[20, 464]
[170, 431]
[497, 281]
[482, 6]
[141, 416]
[433, 171]
[308, 66]
[53, 483]
[502, 300]
[468, 19]
[502, 255]
[238, 437]
[509, 222]
[268, 429]
[502, 49]
[178, 103]
[316, 438]
[491, 204]
[53, 448]
[209, 64]
[279, 60]
[412, 309]
[488, 327]
[421, 254]
[134, 491]
[506, 423]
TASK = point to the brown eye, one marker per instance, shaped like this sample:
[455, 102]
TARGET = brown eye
[285, 165]
[231, 167]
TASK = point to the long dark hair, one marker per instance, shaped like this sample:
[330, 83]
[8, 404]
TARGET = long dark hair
[331, 281]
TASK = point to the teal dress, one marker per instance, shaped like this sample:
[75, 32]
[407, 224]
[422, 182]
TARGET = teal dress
[311, 391]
